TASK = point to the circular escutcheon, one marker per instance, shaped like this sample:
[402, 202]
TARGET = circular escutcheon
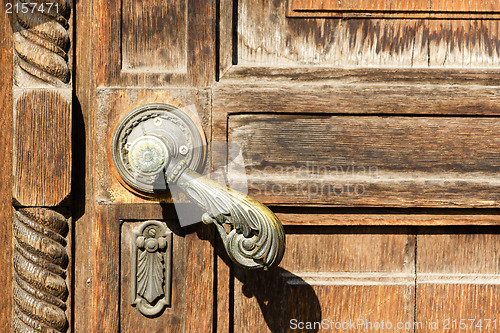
[147, 138]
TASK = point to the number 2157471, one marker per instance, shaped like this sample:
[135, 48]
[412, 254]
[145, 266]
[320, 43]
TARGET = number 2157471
[32, 7]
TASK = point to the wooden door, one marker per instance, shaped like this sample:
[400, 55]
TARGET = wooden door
[369, 129]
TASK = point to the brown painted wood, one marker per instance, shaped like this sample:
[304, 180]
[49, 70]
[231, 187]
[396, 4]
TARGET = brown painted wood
[42, 171]
[6, 139]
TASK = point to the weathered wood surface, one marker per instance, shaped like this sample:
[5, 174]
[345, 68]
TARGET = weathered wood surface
[42, 169]
[394, 9]
[193, 272]
[226, 35]
[267, 37]
[42, 44]
[154, 36]
[179, 74]
[82, 172]
[42, 109]
[370, 161]
[6, 138]
[184, 30]
[336, 273]
[173, 316]
[318, 217]
[358, 91]
[459, 264]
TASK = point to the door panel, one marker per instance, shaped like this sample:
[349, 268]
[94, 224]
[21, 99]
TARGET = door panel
[413, 98]
[335, 274]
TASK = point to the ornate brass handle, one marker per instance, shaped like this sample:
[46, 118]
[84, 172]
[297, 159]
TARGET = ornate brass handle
[161, 144]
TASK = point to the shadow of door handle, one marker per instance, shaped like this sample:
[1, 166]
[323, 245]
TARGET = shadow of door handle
[159, 143]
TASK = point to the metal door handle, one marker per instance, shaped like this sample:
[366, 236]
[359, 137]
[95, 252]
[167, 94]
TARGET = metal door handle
[160, 143]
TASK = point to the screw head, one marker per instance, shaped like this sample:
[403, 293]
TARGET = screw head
[158, 121]
[183, 150]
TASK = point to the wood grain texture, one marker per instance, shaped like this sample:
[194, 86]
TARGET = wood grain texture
[373, 38]
[438, 302]
[394, 9]
[196, 50]
[365, 273]
[267, 37]
[6, 139]
[193, 273]
[82, 173]
[315, 216]
[226, 23]
[458, 276]
[466, 251]
[42, 169]
[154, 36]
[369, 161]
[361, 91]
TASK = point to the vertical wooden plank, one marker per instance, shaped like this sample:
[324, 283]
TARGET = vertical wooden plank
[199, 280]
[82, 173]
[201, 43]
[225, 35]
[105, 305]
[6, 170]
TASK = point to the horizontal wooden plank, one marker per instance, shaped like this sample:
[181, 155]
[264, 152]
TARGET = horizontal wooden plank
[336, 273]
[462, 251]
[311, 217]
[310, 90]
[370, 160]
[363, 249]
[393, 8]
[398, 5]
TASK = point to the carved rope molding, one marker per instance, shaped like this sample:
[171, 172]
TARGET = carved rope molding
[41, 45]
[40, 261]
[42, 42]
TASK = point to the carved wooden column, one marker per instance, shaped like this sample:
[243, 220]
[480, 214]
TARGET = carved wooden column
[42, 93]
